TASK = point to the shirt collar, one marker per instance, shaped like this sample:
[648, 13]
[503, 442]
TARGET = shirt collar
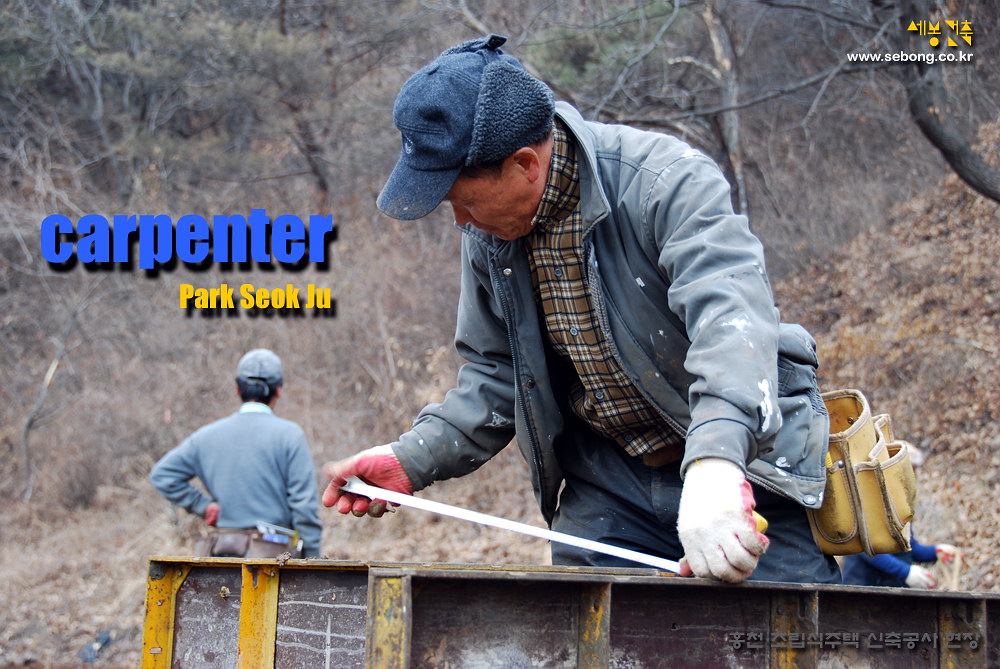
[255, 407]
[562, 190]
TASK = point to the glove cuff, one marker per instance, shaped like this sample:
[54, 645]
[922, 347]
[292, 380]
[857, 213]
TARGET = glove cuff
[714, 472]
[391, 474]
[395, 476]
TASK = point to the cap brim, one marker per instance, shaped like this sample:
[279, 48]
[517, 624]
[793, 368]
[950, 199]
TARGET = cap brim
[410, 194]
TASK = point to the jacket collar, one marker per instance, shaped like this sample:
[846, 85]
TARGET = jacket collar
[593, 203]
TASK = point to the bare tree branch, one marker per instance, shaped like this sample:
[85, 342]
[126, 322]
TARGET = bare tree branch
[62, 349]
[635, 60]
[834, 72]
[709, 69]
[776, 92]
[850, 20]
[925, 91]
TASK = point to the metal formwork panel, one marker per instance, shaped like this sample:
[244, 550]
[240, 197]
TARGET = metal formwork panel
[319, 613]
[321, 620]
[208, 618]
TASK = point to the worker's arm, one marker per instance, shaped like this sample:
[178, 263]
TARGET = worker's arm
[714, 267]
[922, 552]
[302, 497]
[891, 565]
[932, 552]
[476, 418]
[718, 288]
[451, 438]
[172, 475]
[913, 575]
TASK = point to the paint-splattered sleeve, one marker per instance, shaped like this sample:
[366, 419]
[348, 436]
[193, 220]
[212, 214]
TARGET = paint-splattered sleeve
[719, 289]
[475, 420]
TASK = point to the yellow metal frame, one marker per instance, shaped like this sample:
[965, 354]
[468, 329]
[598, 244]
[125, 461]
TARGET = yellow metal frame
[390, 603]
[593, 643]
[258, 616]
[161, 595]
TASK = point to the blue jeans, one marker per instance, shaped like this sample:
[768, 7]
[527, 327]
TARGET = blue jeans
[615, 498]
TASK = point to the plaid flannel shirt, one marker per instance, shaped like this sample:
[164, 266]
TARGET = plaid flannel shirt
[604, 397]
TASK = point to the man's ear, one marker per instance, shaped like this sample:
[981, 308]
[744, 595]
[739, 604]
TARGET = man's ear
[528, 162]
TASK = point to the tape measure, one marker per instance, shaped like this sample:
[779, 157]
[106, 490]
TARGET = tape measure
[358, 487]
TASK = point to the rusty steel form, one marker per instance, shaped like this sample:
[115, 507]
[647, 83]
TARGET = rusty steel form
[255, 613]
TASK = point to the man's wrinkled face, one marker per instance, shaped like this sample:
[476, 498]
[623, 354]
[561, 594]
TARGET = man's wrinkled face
[502, 204]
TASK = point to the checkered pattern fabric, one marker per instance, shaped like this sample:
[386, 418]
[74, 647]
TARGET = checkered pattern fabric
[604, 396]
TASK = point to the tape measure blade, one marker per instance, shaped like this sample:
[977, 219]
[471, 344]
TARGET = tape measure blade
[358, 487]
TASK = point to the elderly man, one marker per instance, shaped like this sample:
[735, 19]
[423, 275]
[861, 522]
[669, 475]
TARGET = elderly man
[257, 469]
[615, 317]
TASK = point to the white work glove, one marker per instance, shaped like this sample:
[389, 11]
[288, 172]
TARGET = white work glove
[920, 578]
[716, 524]
[376, 466]
[945, 552]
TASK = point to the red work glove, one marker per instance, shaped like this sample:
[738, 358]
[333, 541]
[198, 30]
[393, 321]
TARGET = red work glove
[212, 513]
[376, 466]
[716, 524]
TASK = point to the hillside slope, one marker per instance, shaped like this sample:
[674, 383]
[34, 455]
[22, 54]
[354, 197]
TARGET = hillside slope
[910, 314]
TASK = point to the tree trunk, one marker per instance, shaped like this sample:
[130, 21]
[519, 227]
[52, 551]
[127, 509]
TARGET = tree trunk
[927, 97]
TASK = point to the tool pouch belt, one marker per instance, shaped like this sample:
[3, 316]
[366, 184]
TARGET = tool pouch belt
[870, 486]
[247, 543]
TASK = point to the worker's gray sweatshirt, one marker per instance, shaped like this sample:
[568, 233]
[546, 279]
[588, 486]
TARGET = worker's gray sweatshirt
[255, 465]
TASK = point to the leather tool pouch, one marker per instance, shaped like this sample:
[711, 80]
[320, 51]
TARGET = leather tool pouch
[870, 486]
[222, 543]
[240, 543]
[231, 544]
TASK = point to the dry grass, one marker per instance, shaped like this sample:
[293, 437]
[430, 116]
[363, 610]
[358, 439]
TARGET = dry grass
[139, 375]
[909, 313]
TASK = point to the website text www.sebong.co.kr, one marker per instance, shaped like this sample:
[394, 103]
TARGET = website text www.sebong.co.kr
[906, 57]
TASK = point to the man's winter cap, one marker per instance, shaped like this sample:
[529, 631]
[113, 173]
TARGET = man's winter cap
[260, 364]
[474, 104]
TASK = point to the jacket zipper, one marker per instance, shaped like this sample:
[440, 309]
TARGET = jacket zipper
[521, 403]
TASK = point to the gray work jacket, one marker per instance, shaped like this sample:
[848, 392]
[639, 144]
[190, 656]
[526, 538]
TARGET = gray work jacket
[679, 286]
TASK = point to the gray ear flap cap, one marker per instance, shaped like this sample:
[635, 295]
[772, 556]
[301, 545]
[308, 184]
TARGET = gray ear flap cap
[514, 109]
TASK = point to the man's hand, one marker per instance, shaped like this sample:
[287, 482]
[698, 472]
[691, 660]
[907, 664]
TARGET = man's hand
[920, 578]
[716, 523]
[945, 552]
[212, 513]
[376, 466]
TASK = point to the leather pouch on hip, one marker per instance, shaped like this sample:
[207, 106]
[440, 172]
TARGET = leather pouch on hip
[870, 487]
[231, 544]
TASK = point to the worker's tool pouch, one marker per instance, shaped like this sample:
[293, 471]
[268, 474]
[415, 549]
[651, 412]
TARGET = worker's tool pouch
[240, 543]
[870, 486]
